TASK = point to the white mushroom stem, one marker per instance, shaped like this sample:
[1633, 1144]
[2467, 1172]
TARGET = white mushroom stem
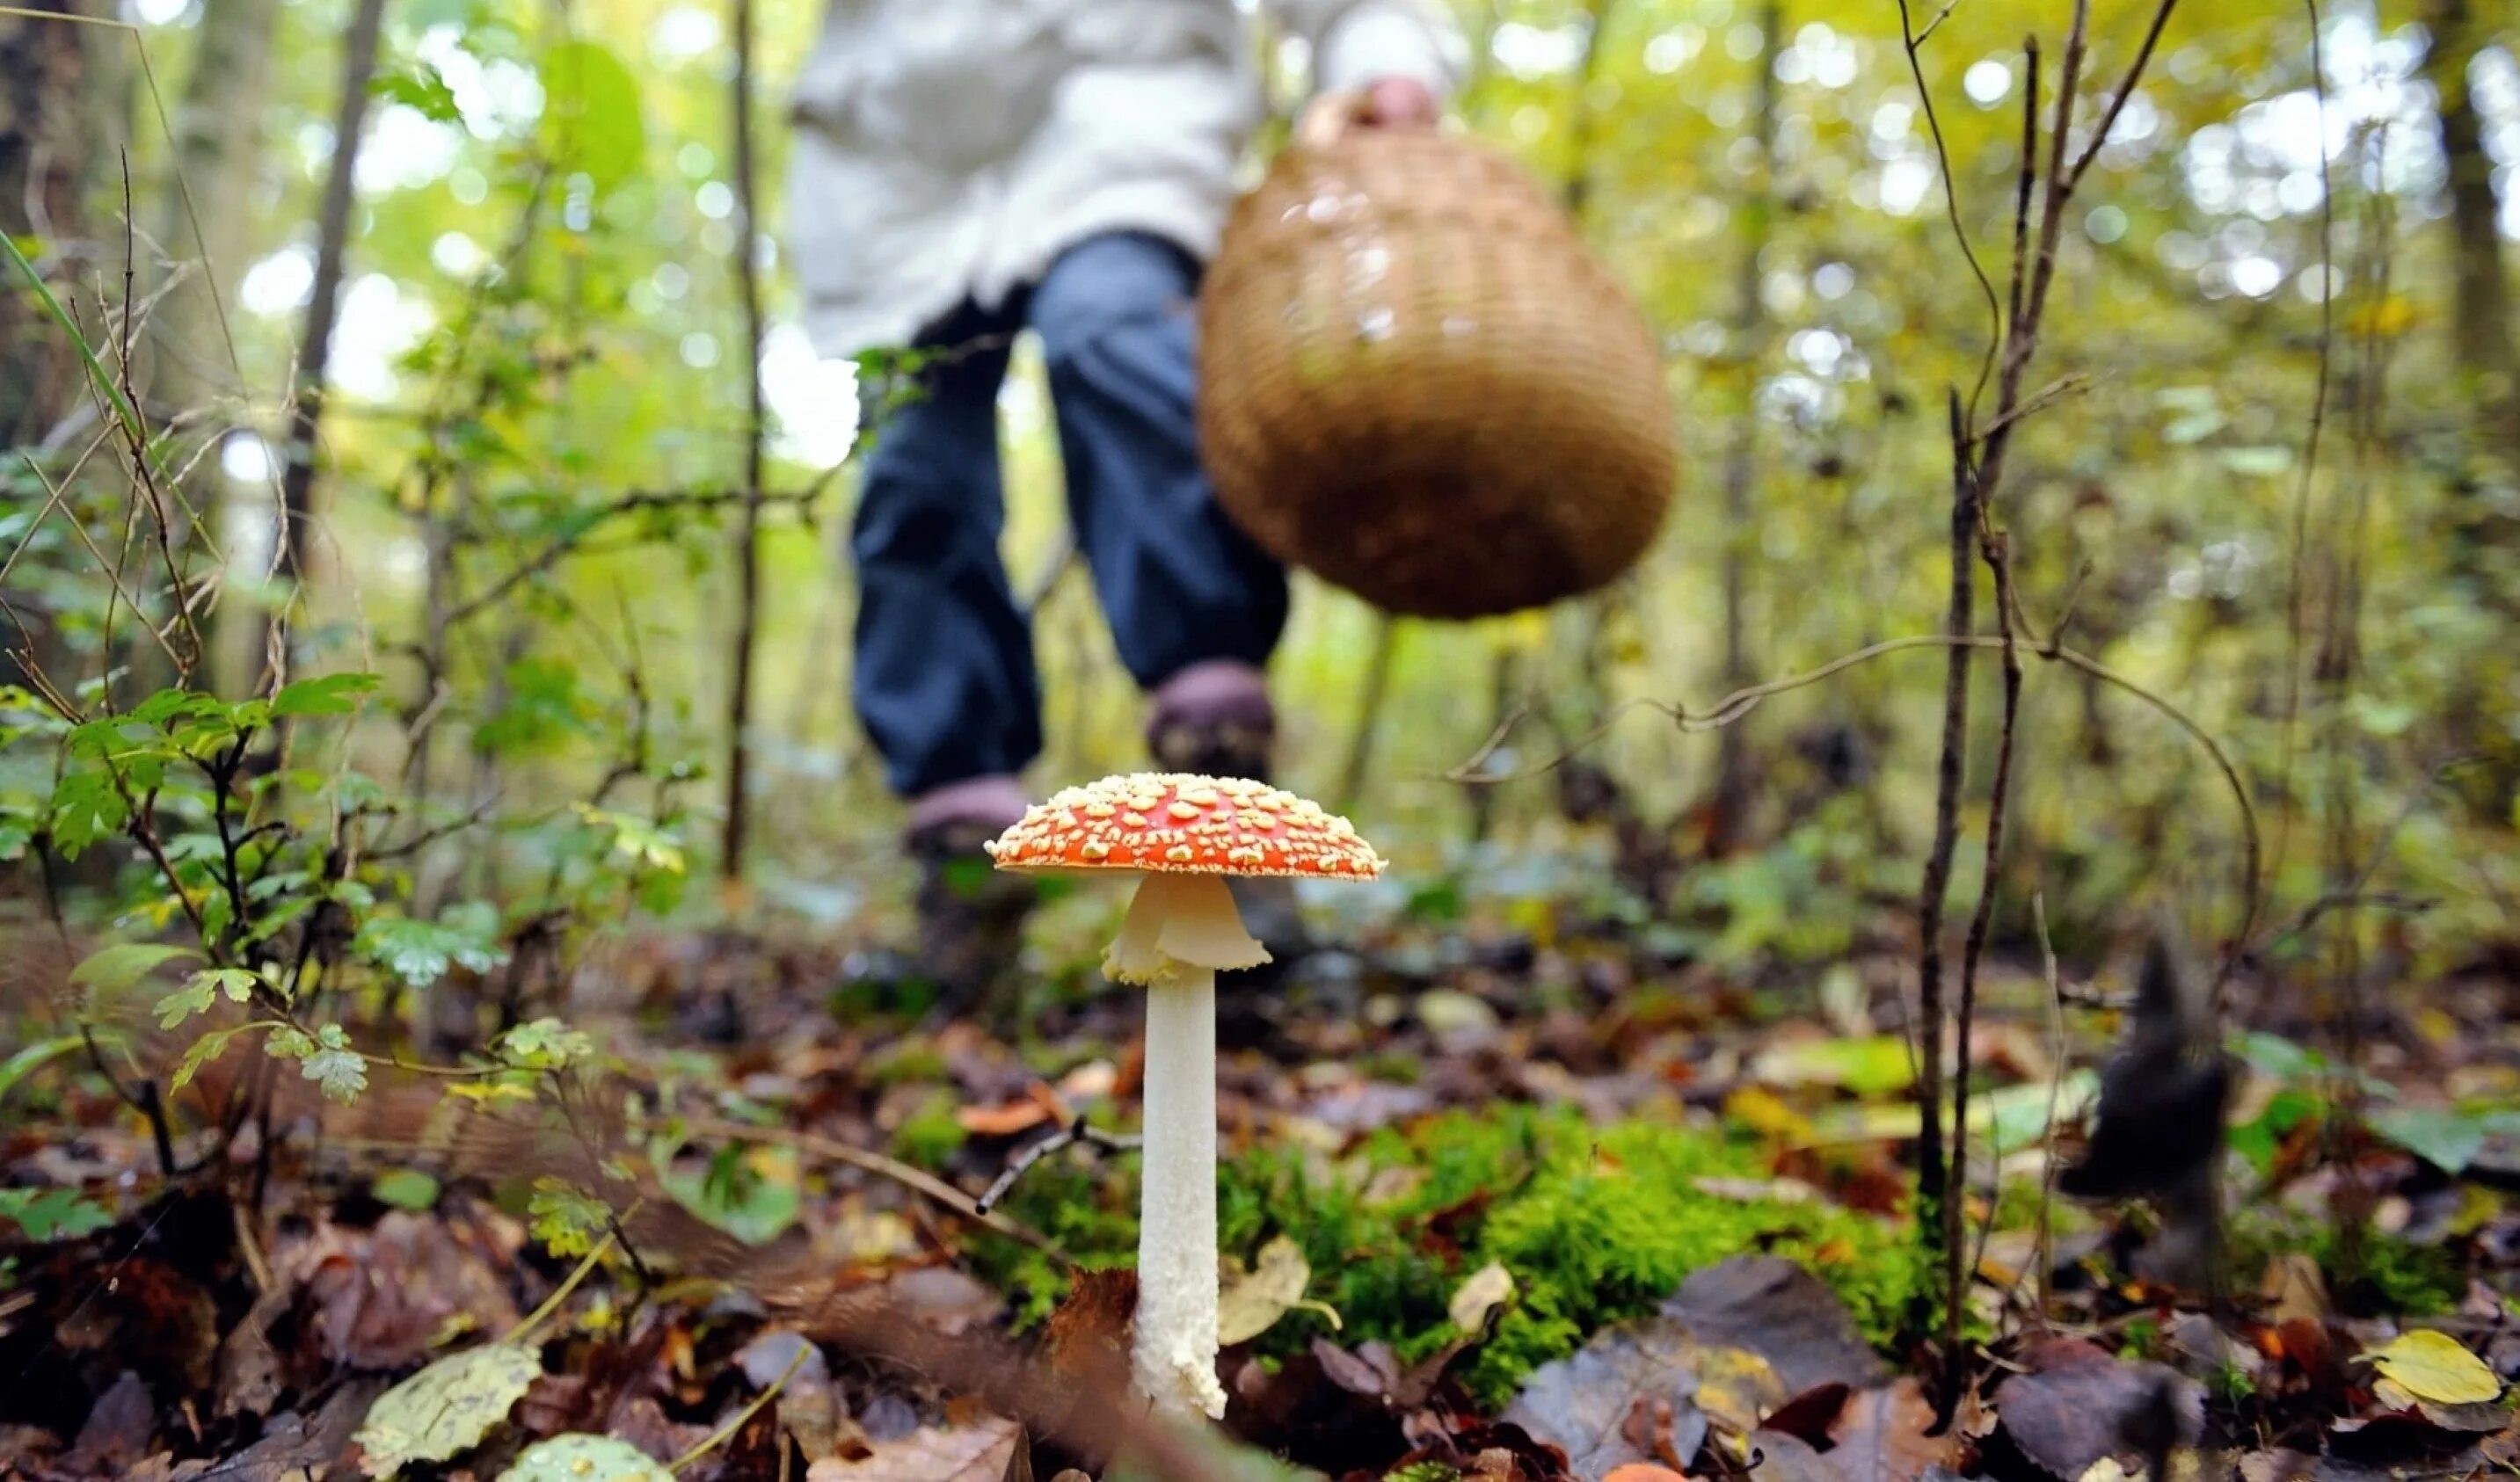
[1175, 1359]
[1180, 929]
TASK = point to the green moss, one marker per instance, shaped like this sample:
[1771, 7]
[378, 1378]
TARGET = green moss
[929, 1136]
[2392, 1276]
[2395, 1276]
[913, 1061]
[1595, 1224]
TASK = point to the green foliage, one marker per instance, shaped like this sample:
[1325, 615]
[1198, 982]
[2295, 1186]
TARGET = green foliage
[405, 1189]
[52, 1214]
[324, 1056]
[545, 1044]
[908, 1062]
[2448, 1137]
[930, 1135]
[566, 1218]
[578, 1457]
[116, 968]
[2394, 1275]
[420, 953]
[1594, 1225]
[753, 1193]
[203, 989]
[592, 120]
[447, 1408]
[30, 1058]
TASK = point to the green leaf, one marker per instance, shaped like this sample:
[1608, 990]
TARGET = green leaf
[1870, 1065]
[2278, 1058]
[447, 1408]
[202, 990]
[104, 379]
[340, 1071]
[86, 807]
[326, 695]
[118, 967]
[405, 1189]
[25, 1062]
[2446, 1137]
[545, 1044]
[566, 1218]
[51, 1214]
[420, 953]
[204, 1049]
[194, 996]
[591, 118]
[2259, 1139]
[422, 88]
[580, 1458]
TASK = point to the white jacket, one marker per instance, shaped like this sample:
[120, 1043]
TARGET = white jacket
[947, 148]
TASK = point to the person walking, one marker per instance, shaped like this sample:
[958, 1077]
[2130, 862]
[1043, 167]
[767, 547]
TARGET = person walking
[967, 169]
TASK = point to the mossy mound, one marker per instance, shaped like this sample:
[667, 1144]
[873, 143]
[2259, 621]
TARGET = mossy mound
[1596, 1223]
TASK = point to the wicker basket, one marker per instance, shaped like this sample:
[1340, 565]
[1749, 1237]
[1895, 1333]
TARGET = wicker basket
[1417, 383]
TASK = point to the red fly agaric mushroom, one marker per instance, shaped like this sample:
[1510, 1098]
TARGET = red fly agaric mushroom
[1181, 835]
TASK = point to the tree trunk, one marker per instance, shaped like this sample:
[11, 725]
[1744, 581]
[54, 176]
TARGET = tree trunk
[218, 154]
[1732, 782]
[2488, 367]
[748, 555]
[43, 76]
[315, 348]
[2488, 362]
[205, 233]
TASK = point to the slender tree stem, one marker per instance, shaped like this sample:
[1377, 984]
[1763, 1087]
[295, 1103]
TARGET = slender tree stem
[738, 707]
[322, 305]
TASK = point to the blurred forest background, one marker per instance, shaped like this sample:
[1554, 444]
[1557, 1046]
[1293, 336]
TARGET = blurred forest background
[413, 450]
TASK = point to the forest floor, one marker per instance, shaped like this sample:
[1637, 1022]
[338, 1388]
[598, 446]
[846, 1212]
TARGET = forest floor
[1508, 1193]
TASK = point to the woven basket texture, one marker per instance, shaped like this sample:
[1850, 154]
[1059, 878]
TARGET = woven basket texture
[1417, 383]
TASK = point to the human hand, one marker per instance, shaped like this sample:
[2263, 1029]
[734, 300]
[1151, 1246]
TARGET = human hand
[1386, 103]
[1399, 103]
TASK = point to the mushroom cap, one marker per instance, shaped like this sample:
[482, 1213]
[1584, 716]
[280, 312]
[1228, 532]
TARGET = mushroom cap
[1176, 823]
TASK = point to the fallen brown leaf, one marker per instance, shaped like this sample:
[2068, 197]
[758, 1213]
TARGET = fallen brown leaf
[1781, 1313]
[2080, 1404]
[1585, 1404]
[1881, 1436]
[978, 1452]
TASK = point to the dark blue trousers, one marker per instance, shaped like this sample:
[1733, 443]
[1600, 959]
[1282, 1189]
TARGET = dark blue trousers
[945, 683]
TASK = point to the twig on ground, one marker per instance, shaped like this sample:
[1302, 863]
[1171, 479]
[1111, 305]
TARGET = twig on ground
[1078, 1131]
[882, 1167]
[724, 1433]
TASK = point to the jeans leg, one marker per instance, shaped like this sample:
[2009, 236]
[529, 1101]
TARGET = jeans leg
[1181, 584]
[944, 677]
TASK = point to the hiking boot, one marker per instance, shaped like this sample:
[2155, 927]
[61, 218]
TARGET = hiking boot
[970, 914]
[1215, 719]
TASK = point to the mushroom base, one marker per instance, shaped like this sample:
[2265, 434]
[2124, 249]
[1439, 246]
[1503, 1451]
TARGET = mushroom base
[1174, 1358]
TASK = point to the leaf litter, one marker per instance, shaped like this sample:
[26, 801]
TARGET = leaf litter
[1745, 1365]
